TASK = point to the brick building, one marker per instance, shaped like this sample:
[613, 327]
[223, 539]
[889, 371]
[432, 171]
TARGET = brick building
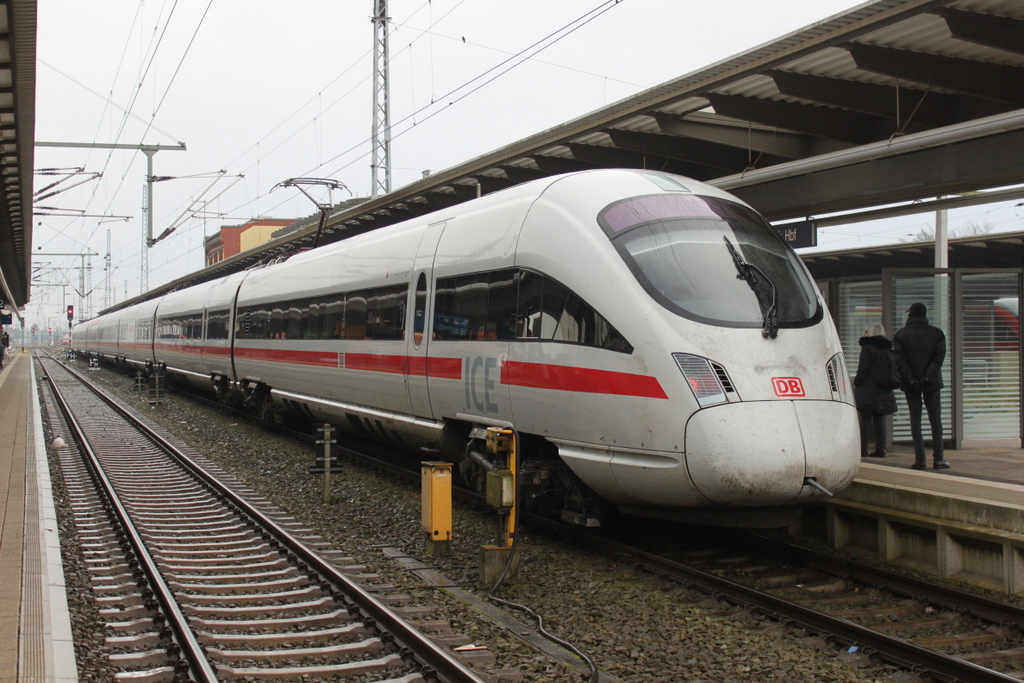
[234, 239]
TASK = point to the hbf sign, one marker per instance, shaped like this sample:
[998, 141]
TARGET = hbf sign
[799, 234]
[788, 387]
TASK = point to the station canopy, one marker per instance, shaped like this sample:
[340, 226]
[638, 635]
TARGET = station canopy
[17, 139]
[891, 101]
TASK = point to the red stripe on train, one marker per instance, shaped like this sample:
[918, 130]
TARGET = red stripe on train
[514, 373]
[443, 368]
[584, 380]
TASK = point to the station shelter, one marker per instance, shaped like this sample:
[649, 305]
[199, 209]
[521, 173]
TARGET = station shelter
[976, 303]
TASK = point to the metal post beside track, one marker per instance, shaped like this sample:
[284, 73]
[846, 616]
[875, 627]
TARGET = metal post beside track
[325, 461]
[501, 560]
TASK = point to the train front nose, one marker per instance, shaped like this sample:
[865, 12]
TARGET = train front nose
[759, 453]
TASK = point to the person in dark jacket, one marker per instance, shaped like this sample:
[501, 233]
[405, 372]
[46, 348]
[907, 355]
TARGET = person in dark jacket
[873, 402]
[920, 350]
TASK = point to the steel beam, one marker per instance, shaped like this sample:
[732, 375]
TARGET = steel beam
[959, 166]
[999, 82]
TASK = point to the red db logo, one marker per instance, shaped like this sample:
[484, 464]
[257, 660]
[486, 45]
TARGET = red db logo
[788, 386]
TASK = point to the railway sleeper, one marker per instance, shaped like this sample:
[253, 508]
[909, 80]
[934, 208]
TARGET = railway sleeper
[131, 626]
[117, 588]
[128, 614]
[363, 667]
[216, 565]
[148, 658]
[297, 608]
[146, 639]
[194, 580]
[251, 598]
[129, 600]
[989, 636]
[173, 520]
[203, 541]
[885, 612]
[350, 631]
[107, 579]
[1015, 654]
[942, 621]
[275, 625]
[194, 527]
[221, 588]
[364, 647]
[211, 548]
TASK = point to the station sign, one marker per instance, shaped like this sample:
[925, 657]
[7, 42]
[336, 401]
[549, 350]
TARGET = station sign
[799, 234]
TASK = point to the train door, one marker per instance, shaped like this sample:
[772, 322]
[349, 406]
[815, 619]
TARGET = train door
[421, 303]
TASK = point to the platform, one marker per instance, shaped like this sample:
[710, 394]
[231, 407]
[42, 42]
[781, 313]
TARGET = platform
[35, 626]
[964, 523]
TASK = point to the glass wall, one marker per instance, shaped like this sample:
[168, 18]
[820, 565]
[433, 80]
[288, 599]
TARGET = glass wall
[991, 356]
[979, 313]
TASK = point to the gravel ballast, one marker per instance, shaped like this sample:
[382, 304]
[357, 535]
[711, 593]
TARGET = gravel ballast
[635, 627]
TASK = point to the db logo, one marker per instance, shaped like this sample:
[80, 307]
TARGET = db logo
[788, 386]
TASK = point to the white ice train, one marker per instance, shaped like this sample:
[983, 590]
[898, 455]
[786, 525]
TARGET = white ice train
[651, 337]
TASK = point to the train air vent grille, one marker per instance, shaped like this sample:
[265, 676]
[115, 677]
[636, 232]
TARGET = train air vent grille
[832, 379]
[723, 377]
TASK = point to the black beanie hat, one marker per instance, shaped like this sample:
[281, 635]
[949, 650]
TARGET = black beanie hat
[917, 309]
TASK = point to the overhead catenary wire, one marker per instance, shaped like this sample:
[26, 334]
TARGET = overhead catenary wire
[450, 99]
[504, 66]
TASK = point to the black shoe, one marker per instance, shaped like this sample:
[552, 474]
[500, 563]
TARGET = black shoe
[919, 465]
[877, 454]
[941, 464]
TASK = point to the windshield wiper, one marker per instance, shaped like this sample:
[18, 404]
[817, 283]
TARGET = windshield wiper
[745, 271]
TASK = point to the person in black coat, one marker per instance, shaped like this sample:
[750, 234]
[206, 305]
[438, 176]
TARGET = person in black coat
[920, 350]
[873, 402]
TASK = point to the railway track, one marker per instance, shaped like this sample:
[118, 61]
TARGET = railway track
[937, 632]
[197, 582]
[882, 616]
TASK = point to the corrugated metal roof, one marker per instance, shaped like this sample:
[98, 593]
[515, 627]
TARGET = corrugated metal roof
[17, 146]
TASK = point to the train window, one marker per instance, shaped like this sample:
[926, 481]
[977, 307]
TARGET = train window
[388, 313]
[217, 324]
[678, 248]
[355, 316]
[555, 298]
[420, 311]
[531, 291]
[478, 307]
[332, 310]
[375, 313]
[257, 323]
[550, 311]
[501, 307]
[446, 326]
[295, 321]
[471, 294]
[483, 306]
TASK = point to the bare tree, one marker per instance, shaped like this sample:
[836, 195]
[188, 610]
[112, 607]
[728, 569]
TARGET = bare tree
[973, 229]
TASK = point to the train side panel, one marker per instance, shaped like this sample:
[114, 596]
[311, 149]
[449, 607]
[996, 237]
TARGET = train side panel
[220, 325]
[465, 374]
[178, 343]
[342, 362]
[135, 342]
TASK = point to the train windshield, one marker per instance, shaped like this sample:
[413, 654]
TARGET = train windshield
[712, 260]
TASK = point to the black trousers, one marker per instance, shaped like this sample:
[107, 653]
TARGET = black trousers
[872, 422]
[931, 404]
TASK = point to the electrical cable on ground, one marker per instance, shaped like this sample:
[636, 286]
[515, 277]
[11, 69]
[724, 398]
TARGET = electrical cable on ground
[593, 677]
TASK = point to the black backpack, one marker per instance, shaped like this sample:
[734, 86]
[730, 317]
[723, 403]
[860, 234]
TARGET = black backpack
[884, 372]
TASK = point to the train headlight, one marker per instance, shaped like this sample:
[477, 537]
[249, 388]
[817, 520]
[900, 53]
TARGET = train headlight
[839, 379]
[707, 380]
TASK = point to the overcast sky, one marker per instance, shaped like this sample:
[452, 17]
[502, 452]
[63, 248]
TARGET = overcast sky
[270, 90]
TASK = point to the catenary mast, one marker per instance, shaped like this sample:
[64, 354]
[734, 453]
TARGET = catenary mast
[380, 164]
